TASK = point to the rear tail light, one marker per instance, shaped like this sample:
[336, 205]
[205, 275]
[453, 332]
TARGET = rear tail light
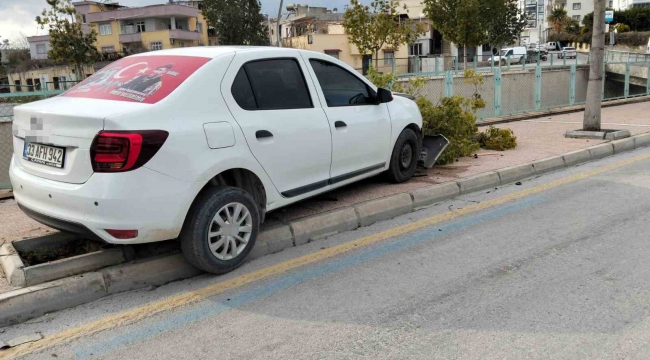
[117, 151]
[123, 234]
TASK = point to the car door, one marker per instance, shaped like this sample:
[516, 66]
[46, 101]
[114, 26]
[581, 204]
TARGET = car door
[276, 106]
[361, 128]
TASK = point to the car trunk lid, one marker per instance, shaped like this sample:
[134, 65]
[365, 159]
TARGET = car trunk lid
[66, 123]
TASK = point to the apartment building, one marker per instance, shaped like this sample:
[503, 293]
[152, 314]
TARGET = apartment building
[120, 31]
[622, 5]
[576, 9]
[535, 12]
[320, 29]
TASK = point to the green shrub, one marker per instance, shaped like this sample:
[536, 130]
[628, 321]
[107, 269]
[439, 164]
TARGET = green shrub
[497, 139]
[381, 80]
[622, 28]
[632, 38]
[454, 118]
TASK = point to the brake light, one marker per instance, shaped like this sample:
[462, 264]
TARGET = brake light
[118, 151]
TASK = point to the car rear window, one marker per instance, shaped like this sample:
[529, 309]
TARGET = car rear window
[144, 79]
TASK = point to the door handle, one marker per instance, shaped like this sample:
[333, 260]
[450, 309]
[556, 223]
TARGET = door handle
[340, 124]
[261, 134]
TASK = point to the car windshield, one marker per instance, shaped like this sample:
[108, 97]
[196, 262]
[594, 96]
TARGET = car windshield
[506, 52]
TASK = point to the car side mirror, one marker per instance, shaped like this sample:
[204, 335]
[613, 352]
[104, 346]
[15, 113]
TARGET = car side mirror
[384, 96]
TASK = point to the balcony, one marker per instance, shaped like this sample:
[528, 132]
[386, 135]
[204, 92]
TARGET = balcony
[163, 10]
[184, 35]
[130, 38]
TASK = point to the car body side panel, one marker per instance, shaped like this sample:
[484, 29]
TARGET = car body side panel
[186, 154]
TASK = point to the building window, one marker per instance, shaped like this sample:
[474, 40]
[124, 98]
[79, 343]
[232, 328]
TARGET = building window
[199, 28]
[83, 19]
[181, 44]
[105, 29]
[389, 56]
[56, 83]
[577, 6]
[37, 84]
[140, 27]
[611, 3]
[108, 49]
[576, 17]
[332, 53]
[30, 85]
[17, 83]
[41, 49]
[415, 50]
[156, 45]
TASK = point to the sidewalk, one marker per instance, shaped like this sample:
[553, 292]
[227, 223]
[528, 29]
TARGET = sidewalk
[537, 139]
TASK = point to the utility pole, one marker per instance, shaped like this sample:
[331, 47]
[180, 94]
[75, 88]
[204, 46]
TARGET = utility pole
[591, 121]
[278, 23]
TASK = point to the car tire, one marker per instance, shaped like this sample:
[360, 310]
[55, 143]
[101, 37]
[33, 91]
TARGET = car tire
[217, 206]
[404, 158]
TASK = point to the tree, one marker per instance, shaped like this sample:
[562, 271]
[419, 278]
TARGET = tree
[237, 22]
[68, 42]
[372, 27]
[459, 21]
[504, 21]
[573, 27]
[558, 19]
[591, 121]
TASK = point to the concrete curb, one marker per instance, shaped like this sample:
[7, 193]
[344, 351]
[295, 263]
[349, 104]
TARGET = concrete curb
[21, 305]
[20, 275]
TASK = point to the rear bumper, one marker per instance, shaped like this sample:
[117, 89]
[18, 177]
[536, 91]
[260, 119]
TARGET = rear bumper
[143, 200]
[59, 224]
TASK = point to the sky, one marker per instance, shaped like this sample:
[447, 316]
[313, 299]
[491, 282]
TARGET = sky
[17, 16]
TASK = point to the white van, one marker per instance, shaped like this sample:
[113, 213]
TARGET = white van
[515, 54]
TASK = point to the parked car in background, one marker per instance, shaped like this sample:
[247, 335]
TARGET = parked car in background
[514, 55]
[553, 46]
[148, 149]
[568, 53]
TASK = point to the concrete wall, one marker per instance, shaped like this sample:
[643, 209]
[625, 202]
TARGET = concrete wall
[517, 90]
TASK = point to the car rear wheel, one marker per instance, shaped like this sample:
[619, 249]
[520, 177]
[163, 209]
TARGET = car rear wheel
[220, 230]
[404, 159]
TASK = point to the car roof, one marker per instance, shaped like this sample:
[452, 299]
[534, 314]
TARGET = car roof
[213, 51]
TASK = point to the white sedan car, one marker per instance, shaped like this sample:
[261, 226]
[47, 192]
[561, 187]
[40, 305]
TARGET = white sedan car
[200, 143]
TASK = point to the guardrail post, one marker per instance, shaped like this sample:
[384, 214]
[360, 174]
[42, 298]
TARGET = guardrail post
[475, 62]
[627, 80]
[492, 63]
[523, 62]
[647, 87]
[436, 64]
[551, 59]
[497, 92]
[449, 83]
[572, 86]
[538, 87]
[564, 59]
[508, 58]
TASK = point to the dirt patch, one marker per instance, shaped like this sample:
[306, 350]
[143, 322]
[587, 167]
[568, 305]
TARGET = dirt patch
[69, 249]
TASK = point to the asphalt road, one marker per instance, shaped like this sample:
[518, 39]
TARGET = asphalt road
[557, 267]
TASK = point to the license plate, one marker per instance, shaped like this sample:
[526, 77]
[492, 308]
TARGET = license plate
[44, 154]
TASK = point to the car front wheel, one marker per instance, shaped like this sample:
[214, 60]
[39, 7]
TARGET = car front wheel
[405, 156]
[220, 230]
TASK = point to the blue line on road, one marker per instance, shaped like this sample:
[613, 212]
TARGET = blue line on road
[218, 304]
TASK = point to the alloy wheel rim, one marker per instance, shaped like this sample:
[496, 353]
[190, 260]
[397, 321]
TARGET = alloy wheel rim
[230, 231]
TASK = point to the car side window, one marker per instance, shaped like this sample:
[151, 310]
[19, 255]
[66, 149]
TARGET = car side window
[278, 84]
[340, 87]
[243, 92]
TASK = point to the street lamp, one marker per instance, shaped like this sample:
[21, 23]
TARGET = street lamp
[278, 23]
